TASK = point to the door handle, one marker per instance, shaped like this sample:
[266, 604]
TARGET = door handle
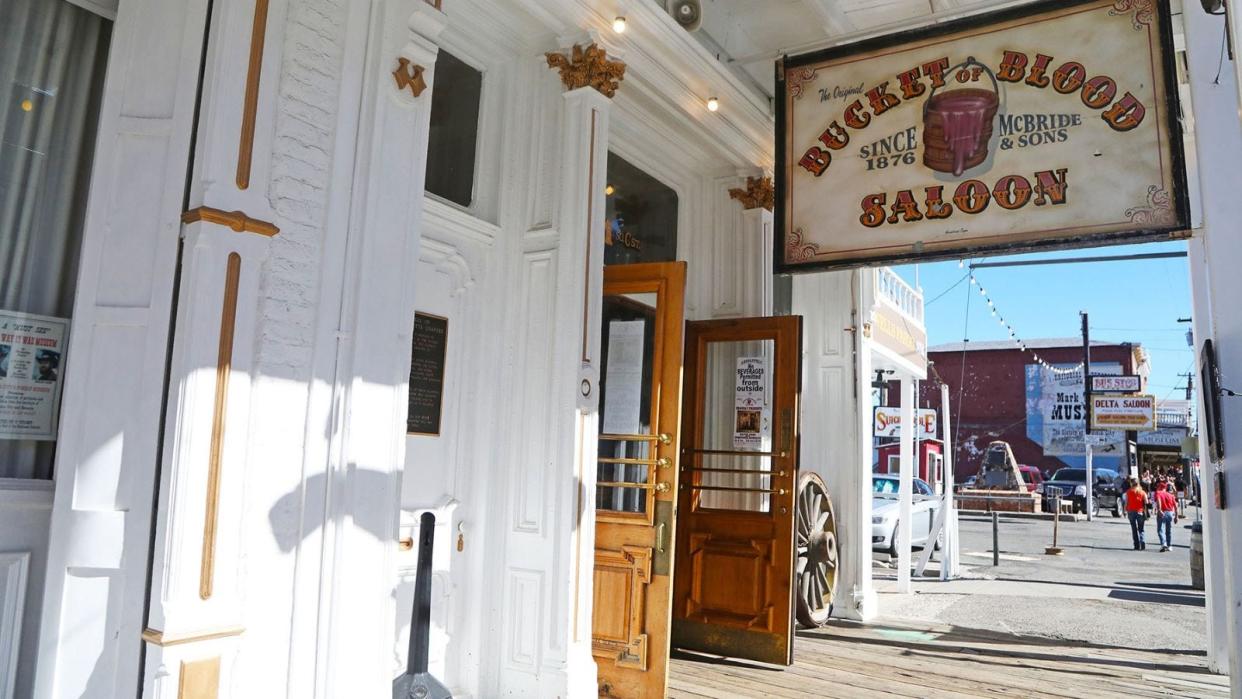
[659, 542]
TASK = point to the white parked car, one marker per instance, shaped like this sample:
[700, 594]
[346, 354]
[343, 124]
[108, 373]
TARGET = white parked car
[885, 507]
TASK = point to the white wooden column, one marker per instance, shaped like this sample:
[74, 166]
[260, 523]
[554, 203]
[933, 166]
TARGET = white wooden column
[905, 493]
[584, 159]
[836, 424]
[353, 607]
[194, 617]
[1215, 257]
[545, 594]
[106, 460]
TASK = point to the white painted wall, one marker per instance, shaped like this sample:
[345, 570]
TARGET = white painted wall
[1215, 257]
[836, 422]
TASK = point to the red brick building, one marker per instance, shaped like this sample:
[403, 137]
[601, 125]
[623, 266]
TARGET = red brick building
[994, 400]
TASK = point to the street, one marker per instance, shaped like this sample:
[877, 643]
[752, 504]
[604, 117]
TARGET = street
[1100, 590]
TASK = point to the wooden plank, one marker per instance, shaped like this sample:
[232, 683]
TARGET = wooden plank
[986, 672]
[942, 662]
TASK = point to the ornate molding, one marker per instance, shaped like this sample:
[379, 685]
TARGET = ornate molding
[797, 249]
[759, 191]
[588, 67]
[797, 79]
[236, 220]
[158, 638]
[245, 146]
[409, 75]
[215, 457]
[1158, 211]
[1144, 12]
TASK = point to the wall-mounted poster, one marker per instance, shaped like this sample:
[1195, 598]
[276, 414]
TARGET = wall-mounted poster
[1052, 124]
[427, 359]
[32, 351]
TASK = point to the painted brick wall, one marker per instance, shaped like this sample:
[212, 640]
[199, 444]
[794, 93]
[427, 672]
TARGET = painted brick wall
[283, 504]
[301, 171]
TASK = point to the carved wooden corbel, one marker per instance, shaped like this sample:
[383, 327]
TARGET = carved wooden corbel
[409, 75]
[588, 67]
[759, 191]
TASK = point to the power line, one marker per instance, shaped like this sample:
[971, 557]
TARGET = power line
[1078, 260]
[1141, 330]
[946, 291]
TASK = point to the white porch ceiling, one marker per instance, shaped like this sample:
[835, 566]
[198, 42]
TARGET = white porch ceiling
[748, 35]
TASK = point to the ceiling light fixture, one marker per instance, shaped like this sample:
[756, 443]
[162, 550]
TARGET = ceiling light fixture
[713, 104]
[618, 24]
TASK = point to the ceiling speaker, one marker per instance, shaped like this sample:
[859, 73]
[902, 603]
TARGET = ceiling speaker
[688, 13]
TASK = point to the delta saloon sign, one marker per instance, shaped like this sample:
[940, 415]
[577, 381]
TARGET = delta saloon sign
[1050, 125]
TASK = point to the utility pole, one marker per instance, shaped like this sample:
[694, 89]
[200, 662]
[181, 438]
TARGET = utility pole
[1089, 501]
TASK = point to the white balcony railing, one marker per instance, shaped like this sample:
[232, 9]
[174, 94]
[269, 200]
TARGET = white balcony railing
[890, 287]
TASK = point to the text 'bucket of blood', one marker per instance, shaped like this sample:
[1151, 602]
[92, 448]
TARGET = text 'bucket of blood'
[957, 123]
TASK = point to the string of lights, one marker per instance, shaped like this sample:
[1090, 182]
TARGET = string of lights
[1013, 334]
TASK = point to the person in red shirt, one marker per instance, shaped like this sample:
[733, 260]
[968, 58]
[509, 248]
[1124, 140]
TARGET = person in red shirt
[1136, 510]
[1166, 513]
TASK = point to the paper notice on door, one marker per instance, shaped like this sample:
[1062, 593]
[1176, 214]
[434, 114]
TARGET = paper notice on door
[623, 377]
[751, 390]
[32, 350]
[752, 422]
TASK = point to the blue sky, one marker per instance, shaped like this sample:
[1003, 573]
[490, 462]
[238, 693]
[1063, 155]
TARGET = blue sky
[1136, 301]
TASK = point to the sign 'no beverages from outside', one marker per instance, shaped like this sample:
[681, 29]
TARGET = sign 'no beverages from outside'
[1051, 124]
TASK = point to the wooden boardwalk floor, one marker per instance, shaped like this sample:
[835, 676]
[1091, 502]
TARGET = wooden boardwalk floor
[904, 659]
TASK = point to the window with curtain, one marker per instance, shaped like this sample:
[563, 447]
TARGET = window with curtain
[52, 60]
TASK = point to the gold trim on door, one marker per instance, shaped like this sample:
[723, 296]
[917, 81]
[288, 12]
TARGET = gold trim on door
[634, 549]
[733, 570]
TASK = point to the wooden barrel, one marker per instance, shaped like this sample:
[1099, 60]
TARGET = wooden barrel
[1196, 556]
[957, 126]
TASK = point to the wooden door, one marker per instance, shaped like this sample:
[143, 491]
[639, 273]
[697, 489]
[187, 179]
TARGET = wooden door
[733, 584]
[637, 476]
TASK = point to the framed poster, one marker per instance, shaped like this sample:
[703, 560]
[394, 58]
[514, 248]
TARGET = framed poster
[427, 357]
[1052, 124]
[32, 349]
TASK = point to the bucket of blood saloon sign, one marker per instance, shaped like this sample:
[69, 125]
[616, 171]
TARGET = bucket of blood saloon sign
[1050, 125]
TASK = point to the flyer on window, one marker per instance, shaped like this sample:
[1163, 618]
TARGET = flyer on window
[32, 350]
[752, 418]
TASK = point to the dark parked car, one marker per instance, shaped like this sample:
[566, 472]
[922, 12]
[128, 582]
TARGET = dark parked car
[1071, 484]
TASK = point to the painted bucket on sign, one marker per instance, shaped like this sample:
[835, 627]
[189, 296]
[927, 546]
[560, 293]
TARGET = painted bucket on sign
[957, 123]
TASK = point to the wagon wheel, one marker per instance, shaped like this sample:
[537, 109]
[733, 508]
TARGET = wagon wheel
[816, 567]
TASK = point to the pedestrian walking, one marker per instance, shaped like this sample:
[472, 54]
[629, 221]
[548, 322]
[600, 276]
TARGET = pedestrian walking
[1146, 483]
[1166, 514]
[1179, 483]
[1136, 510]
